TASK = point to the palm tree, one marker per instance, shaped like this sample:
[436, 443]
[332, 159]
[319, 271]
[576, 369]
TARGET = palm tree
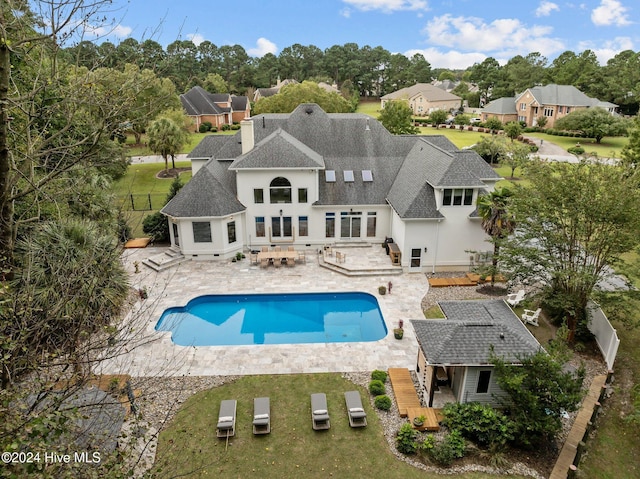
[166, 138]
[74, 285]
[497, 222]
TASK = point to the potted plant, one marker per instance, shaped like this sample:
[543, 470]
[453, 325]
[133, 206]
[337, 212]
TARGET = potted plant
[398, 333]
[382, 290]
[419, 421]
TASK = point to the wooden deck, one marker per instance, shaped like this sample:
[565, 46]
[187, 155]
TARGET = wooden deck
[404, 390]
[568, 453]
[432, 418]
[470, 279]
[138, 243]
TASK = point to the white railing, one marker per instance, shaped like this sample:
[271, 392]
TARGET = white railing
[605, 333]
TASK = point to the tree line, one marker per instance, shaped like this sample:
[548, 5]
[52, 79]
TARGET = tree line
[369, 71]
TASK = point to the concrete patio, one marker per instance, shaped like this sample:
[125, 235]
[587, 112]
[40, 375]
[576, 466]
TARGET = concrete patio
[157, 355]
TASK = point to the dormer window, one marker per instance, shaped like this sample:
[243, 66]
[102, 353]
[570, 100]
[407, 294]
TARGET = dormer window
[348, 176]
[457, 197]
[330, 176]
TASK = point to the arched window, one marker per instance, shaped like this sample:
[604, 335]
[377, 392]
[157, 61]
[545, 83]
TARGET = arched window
[280, 190]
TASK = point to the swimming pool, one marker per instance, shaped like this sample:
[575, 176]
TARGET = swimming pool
[241, 319]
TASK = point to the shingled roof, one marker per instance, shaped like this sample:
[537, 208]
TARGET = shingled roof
[197, 101]
[210, 193]
[430, 92]
[470, 331]
[405, 168]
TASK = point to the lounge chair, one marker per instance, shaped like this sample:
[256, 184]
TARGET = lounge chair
[261, 416]
[531, 317]
[357, 416]
[319, 411]
[514, 299]
[227, 418]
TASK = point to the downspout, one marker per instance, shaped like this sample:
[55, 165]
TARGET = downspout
[435, 253]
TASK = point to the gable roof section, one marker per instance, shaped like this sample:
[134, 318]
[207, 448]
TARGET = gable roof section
[239, 103]
[469, 332]
[207, 194]
[565, 95]
[198, 101]
[430, 92]
[279, 150]
[217, 146]
[501, 106]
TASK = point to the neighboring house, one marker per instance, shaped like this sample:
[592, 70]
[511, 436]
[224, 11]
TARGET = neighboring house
[216, 108]
[455, 351]
[504, 109]
[267, 92]
[309, 179]
[554, 102]
[424, 98]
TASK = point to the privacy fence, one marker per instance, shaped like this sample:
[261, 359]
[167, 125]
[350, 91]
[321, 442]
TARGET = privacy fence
[143, 202]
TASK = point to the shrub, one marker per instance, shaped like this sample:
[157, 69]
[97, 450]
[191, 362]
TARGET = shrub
[478, 422]
[382, 402]
[428, 444]
[576, 150]
[379, 375]
[226, 127]
[376, 387]
[156, 226]
[452, 447]
[235, 127]
[205, 126]
[406, 439]
[214, 129]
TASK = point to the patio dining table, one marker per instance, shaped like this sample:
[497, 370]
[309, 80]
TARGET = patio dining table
[278, 255]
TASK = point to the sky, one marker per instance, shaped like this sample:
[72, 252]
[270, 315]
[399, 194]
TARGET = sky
[451, 34]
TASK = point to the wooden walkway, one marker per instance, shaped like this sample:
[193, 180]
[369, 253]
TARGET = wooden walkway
[578, 430]
[404, 390]
[138, 243]
[432, 418]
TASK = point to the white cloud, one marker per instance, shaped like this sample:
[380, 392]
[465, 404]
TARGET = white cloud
[452, 59]
[387, 6]
[610, 48]
[610, 12]
[346, 12]
[118, 31]
[196, 38]
[263, 46]
[502, 37]
[545, 8]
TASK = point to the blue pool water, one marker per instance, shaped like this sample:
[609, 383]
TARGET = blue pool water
[236, 319]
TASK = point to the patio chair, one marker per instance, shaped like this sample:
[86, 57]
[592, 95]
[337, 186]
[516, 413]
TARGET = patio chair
[514, 299]
[277, 249]
[531, 317]
[261, 416]
[264, 249]
[290, 248]
[227, 418]
[302, 257]
[319, 412]
[357, 416]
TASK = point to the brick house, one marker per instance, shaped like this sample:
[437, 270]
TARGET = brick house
[216, 108]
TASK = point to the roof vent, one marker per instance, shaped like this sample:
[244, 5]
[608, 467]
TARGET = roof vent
[501, 335]
[366, 128]
[309, 110]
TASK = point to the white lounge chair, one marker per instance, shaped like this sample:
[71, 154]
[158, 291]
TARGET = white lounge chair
[319, 412]
[227, 418]
[514, 299]
[531, 317]
[357, 416]
[261, 415]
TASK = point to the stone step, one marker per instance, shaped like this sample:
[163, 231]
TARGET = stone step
[361, 272]
[164, 261]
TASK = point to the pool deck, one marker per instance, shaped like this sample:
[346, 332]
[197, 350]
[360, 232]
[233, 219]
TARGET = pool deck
[156, 355]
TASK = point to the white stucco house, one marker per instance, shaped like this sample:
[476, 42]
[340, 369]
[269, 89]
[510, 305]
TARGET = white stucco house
[311, 179]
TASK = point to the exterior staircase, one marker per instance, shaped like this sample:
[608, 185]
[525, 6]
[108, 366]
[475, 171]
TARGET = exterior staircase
[163, 261]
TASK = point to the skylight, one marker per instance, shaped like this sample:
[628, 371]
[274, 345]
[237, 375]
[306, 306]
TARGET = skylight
[367, 175]
[348, 176]
[330, 176]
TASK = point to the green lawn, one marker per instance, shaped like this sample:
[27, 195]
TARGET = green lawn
[371, 108]
[189, 446]
[194, 139]
[140, 181]
[609, 147]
